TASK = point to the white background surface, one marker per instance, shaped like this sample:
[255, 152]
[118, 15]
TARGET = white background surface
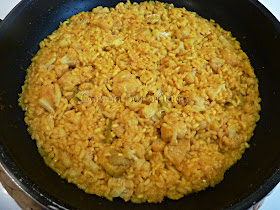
[272, 202]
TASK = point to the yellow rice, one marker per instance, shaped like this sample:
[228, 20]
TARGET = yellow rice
[141, 101]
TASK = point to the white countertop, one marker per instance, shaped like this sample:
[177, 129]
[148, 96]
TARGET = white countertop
[6, 201]
[272, 201]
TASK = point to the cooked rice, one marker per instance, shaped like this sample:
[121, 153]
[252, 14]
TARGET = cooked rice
[141, 101]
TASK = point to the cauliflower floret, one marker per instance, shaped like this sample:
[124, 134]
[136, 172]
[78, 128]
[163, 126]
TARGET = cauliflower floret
[68, 81]
[50, 62]
[70, 58]
[66, 60]
[113, 40]
[125, 82]
[173, 131]
[199, 104]
[61, 69]
[230, 57]
[144, 34]
[181, 48]
[176, 152]
[46, 105]
[225, 41]
[159, 34]
[182, 33]
[213, 93]
[117, 186]
[232, 139]
[47, 95]
[158, 145]
[149, 110]
[232, 131]
[153, 18]
[121, 187]
[113, 162]
[64, 43]
[216, 63]
[47, 92]
[101, 10]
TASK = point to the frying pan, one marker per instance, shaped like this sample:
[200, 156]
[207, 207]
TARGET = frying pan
[245, 183]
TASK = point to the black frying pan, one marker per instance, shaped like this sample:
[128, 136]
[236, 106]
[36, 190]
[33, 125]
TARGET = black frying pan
[245, 183]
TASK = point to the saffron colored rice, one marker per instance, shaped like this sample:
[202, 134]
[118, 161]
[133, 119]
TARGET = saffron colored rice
[141, 101]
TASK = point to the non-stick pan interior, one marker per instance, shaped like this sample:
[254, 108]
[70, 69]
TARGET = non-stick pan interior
[246, 182]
